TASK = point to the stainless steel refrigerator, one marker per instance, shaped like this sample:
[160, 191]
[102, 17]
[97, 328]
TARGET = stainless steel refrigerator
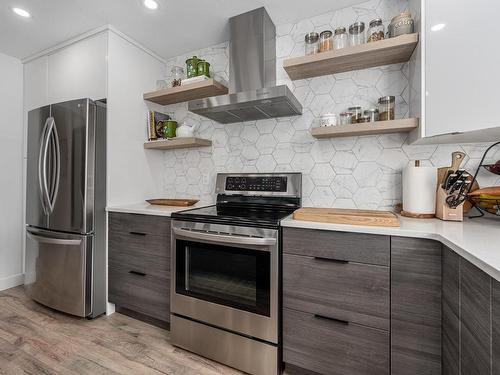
[65, 207]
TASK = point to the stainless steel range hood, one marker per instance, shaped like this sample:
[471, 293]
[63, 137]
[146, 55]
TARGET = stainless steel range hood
[253, 94]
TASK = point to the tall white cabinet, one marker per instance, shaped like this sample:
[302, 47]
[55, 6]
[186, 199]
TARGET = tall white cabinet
[457, 67]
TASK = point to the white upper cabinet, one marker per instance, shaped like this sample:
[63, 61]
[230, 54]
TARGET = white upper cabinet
[460, 74]
[36, 83]
[79, 71]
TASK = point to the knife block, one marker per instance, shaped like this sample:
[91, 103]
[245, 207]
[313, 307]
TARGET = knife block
[445, 212]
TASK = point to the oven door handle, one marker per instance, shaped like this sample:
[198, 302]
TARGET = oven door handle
[224, 238]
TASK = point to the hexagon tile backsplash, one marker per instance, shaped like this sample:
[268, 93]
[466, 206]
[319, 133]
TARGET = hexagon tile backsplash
[357, 172]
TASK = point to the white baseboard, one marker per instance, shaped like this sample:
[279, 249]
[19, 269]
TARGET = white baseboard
[11, 281]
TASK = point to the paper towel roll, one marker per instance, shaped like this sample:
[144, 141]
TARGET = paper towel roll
[419, 190]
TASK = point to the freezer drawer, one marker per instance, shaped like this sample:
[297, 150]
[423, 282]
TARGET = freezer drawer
[59, 270]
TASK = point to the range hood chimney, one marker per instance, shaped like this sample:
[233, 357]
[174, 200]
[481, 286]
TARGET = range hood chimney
[253, 94]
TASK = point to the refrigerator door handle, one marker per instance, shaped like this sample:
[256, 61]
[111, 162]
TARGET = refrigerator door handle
[53, 241]
[42, 164]
[56, 166]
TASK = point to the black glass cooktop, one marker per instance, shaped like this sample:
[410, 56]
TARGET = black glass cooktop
[261, 216]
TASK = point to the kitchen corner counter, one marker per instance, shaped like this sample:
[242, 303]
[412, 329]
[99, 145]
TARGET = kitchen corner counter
[477, 240]
[144, 208]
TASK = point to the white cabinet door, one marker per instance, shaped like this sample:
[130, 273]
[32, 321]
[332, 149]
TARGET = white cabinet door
[79, 71]
[35, 83]
[462, 66]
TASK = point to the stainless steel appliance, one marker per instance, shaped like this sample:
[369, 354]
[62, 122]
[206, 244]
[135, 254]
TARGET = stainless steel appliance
[226, 262]
[65, 207]
[253, 94]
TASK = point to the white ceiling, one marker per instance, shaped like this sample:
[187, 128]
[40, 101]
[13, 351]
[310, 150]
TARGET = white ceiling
[177, 27]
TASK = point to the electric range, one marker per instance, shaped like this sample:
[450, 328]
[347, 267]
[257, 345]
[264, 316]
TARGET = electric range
[226, 271]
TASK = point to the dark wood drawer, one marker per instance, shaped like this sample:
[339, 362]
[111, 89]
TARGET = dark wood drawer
[333, 348]
[150, 254]
[139, 225]
[354, 292]
[354, 247]
[145, 294]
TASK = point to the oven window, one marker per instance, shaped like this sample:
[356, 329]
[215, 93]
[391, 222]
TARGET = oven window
[229, 276]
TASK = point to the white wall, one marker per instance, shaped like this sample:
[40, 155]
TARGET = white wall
[11, 176]
[134, 173]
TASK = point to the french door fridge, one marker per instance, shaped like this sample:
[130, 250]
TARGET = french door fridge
[65, 207]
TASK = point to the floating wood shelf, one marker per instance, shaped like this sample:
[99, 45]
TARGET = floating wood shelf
[173, 143]
[384, 52]
[369, 128]
[192, 91]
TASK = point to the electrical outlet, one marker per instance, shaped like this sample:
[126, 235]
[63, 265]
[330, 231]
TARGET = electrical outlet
[205, 179]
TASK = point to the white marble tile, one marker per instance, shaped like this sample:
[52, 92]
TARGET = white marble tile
[367, 173]
[322, 174]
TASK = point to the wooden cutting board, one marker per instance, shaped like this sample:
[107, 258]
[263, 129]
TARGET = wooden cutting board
[348, 216]
[173, 202]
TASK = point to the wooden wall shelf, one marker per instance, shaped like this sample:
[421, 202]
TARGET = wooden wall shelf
[193, 91]
[370, 128]
[173, 143]
[384, 52]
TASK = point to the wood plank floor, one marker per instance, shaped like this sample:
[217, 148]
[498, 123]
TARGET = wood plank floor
[39, 341]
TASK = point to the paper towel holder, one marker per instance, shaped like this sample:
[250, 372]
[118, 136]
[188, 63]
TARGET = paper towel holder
[415, 215]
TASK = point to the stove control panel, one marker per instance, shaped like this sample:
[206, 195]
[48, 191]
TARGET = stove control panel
[250, 183]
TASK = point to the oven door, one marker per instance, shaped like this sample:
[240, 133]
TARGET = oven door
[226, 276]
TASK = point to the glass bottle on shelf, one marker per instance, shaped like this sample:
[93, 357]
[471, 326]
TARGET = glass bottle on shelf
[312, 43]
[340, 39]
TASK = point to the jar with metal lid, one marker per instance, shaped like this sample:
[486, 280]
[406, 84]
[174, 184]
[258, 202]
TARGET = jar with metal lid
[372, 113]
[386, 108]
[357, 112]
[376, 31]
[340, 38]
[401, 24]
[325, 41]
[357, 34]
[192, 66]
[346, 118]
[312, 43]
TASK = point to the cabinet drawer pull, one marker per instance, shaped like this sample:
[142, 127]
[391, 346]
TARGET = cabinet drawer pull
[331, 260]
[138, 233]
[322, 317]
[137, 273]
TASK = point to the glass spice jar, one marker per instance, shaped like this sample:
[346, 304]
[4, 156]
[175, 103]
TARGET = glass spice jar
[312, 43]
[346, 118]
[357, 112]
[203, 68]
[177, 75]
[192, 66]
[401, 24]
[364, 119]
[357, 34]
[386, 108]
[372, 113]
[340, 38]
[376, 31]
[325, 41]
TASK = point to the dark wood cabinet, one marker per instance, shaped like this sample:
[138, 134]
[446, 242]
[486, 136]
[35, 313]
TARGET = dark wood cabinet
[139, 265]
[495, 329]
[451, 313]
[475, 320]
[415, 306]
[336, 302]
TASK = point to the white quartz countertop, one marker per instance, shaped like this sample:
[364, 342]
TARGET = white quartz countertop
[477, 240]
[144, 208]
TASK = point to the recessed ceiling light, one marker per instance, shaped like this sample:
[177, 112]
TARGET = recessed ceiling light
[151, 4]
[439, 26]
[21, 12]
